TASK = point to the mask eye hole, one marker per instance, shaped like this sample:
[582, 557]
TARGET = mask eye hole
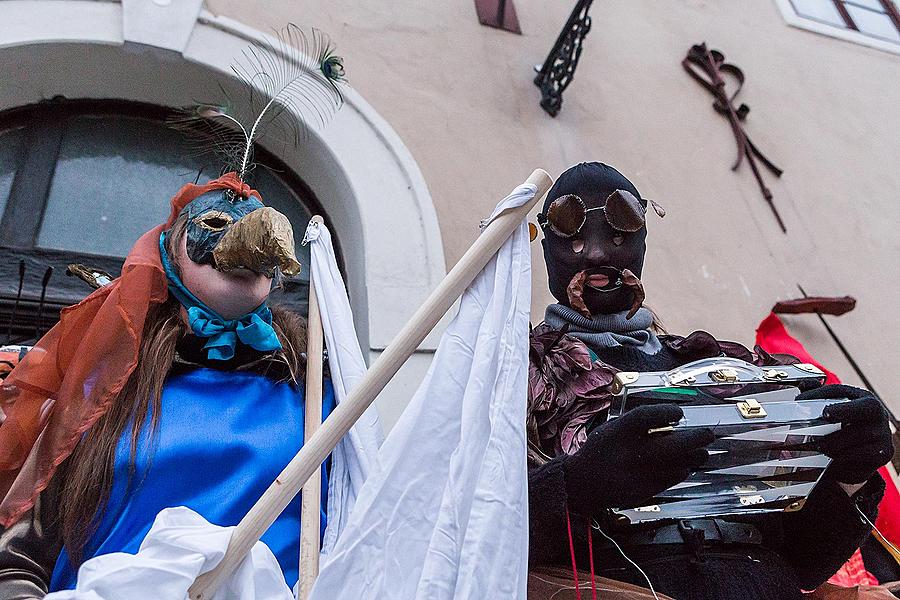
[214, 220]
[618, 240]
[577, 245]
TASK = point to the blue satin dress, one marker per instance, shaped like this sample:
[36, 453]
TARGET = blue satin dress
[223, 437]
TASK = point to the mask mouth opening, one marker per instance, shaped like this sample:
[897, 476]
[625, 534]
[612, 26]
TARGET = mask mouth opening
[603, 279]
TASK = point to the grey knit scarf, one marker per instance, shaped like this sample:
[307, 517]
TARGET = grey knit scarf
[606, 331]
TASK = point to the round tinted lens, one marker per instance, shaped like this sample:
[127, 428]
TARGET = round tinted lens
[624, 211]
[566, 215]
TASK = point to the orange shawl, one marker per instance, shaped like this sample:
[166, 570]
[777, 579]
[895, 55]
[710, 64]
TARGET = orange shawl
[73, 373]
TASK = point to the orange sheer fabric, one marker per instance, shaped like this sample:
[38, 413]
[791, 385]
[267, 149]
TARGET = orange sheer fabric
[73, 373]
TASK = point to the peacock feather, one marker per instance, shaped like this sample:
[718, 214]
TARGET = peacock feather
[287, 82]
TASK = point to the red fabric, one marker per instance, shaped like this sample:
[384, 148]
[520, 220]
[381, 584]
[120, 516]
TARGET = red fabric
[73, 373]
[572, 555]
[888, 521]
[590, 537]
[853, 573]
[772, 336]
[860, 592]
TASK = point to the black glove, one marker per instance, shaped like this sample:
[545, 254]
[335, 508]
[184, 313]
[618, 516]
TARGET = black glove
[621, 465]
[864, 441]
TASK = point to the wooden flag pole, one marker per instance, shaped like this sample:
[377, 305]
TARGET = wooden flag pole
[310, 500]
[276, 498]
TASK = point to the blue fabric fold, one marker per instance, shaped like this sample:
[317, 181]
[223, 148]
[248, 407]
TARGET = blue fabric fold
[253, 329]
[222, 439]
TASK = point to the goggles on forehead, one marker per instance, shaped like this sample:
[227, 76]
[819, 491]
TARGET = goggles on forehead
[623, 211]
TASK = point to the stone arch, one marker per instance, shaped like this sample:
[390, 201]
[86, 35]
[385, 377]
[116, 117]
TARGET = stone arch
[172, 54]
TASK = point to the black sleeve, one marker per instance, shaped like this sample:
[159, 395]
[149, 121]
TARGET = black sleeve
[548, 541]
[821, 537]
[29, 549]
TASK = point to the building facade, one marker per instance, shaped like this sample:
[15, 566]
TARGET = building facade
[442, 119]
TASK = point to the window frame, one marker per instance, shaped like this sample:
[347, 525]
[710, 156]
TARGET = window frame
[44, 126]
[889, 9]
[846, 33]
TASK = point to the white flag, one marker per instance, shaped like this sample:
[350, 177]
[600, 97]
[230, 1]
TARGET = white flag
[355, 456]
[444, 512]
[179, 546]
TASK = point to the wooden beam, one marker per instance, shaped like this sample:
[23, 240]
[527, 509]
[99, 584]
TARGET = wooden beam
[310, 502]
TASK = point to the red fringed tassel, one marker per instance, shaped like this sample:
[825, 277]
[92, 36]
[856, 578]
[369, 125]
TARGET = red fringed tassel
[572, 554]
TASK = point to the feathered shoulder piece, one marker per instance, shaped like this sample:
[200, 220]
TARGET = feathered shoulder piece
[566, 389]
[701, 344]
[284, 83]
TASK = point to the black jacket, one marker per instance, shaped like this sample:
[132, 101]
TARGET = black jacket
[798, 551]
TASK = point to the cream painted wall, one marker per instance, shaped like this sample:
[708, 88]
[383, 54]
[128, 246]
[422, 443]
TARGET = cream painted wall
[461, 98]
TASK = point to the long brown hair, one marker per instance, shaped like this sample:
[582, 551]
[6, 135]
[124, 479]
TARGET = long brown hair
[89, 470]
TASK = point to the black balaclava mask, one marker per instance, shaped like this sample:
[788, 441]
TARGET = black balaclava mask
[599, 250]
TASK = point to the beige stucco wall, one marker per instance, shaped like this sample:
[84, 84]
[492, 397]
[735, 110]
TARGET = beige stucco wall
[461, 97]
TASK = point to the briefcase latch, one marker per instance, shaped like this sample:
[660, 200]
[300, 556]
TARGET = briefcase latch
[622, 380]
[751, 409]
[724, 375]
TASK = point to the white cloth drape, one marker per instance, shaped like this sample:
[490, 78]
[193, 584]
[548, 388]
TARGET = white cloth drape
[180, 546]
[356, 454]
[439, 513]
[444, 515]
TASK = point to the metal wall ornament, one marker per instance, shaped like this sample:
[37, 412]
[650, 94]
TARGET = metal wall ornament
[558, 69]
[707, 68]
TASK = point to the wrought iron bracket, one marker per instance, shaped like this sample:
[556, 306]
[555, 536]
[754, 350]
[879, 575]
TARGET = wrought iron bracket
[558, 69]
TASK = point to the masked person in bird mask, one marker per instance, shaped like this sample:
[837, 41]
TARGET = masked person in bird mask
[175, 385]
[595, 231]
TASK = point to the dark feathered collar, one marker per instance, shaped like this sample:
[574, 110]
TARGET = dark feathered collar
[189, 354]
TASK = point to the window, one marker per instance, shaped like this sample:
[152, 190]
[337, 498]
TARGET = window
[877, 19]
[81, 180]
